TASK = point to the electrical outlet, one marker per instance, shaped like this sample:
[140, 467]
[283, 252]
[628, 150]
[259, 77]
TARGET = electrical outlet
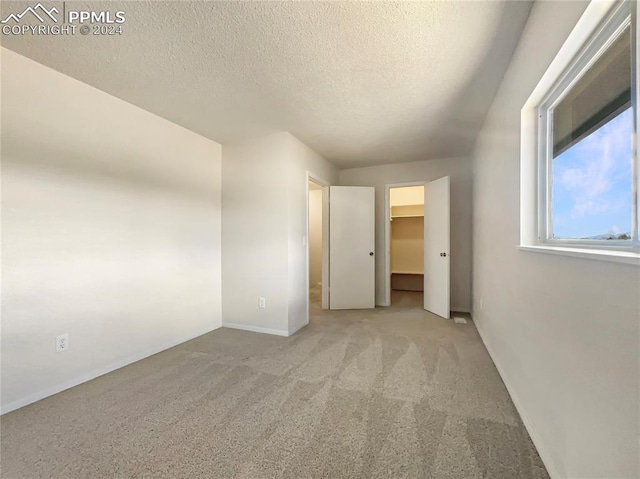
[262, 303]
[62, 342]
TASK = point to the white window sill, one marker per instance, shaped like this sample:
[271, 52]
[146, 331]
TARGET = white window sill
[627, 257]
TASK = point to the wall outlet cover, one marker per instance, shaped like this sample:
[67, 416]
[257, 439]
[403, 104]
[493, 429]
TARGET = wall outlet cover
[62, 342]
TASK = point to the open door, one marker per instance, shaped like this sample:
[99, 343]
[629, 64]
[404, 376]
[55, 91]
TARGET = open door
[437, 286]
[351, 247]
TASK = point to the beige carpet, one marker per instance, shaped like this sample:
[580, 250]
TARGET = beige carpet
[393, 392]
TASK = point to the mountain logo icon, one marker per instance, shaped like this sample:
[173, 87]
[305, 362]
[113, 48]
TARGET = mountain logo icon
[39, 11]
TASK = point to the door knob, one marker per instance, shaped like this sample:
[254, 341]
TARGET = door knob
[370, 253]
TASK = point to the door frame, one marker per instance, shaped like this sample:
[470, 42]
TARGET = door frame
[387, 234]
[325, 239]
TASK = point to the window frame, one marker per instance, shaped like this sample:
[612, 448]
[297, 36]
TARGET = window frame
[621, 17]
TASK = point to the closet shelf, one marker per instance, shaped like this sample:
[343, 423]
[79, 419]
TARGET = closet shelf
[407, 211]
[407, 272]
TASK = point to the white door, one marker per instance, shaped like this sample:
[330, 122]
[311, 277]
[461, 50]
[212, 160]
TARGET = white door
[437, 288]
[351, 247]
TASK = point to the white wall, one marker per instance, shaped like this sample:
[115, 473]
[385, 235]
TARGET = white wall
[264, 222]
[111, 232]
[254, 234]
[563, 331]
[315, 237]
[459, 169]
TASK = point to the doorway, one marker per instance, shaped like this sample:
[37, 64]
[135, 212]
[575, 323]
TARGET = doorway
[316, 252]
[435, 244]
[406, 244]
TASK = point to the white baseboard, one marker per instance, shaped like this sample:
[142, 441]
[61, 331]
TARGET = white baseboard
[97, 373]
[535, 438]
[297, 328]
[255, 329]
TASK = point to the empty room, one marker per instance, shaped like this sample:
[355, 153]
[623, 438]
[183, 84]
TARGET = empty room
[320, 239]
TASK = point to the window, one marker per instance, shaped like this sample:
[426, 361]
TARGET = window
[587, 163]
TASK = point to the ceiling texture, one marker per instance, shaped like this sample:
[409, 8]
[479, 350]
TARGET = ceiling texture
[362, 83]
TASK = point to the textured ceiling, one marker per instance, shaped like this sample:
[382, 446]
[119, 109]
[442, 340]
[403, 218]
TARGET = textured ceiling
[362, 83]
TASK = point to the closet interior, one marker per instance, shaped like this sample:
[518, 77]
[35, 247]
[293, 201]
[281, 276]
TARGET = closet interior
[407, 238]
